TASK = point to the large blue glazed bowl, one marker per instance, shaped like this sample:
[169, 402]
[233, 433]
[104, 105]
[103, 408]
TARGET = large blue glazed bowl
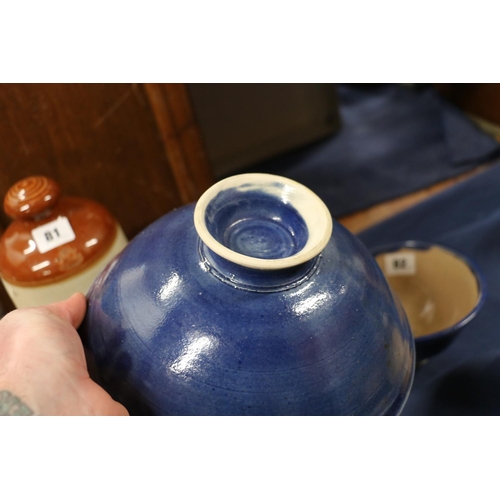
[249, 304]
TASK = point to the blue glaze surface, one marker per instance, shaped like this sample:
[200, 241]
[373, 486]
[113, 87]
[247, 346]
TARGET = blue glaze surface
[177, 331]
[256, 224]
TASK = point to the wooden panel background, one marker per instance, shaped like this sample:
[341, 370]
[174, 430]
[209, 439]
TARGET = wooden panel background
[135, 148]
[480, 99]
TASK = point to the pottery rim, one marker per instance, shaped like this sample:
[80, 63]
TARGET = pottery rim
[310, 207]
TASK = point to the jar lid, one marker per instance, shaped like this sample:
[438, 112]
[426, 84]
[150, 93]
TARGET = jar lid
[31, 196]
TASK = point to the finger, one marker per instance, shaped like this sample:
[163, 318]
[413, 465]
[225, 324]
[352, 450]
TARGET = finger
[72, 309]
[121, 411]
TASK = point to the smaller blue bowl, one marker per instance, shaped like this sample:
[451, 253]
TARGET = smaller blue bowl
[440, 289]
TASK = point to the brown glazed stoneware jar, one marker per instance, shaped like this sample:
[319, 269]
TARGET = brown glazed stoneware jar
[55, 245]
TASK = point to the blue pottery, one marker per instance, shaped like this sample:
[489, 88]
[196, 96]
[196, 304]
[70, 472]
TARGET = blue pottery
[441, 293]
[249, 303]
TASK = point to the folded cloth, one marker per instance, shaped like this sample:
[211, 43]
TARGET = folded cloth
[465, 378]
[393, 140]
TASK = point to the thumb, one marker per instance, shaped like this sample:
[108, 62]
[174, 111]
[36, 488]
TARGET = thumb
[72, 309]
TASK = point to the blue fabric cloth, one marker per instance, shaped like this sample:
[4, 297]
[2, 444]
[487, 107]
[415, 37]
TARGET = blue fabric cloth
[393, 140]
[465, 378]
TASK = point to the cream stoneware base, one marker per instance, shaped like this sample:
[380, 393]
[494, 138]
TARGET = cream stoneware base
[46, 294]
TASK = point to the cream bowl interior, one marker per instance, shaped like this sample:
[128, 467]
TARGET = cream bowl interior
[439, 290]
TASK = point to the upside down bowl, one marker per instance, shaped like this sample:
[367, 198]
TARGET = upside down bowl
[249, 302]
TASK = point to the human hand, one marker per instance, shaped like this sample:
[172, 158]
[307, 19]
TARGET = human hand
[43, 370]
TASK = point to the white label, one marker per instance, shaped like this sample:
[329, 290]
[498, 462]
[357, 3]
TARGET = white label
[400, 264]
[53, 234]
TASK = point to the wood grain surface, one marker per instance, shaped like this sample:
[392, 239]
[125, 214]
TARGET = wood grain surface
[113, 143]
